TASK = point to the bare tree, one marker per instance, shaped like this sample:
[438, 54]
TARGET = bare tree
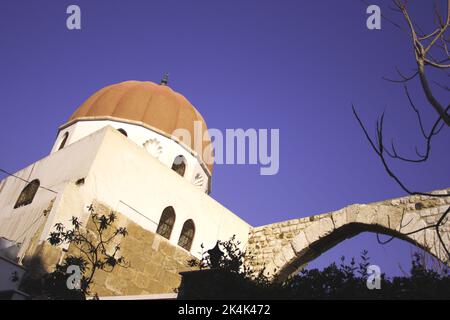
[430, 52]
[423, 45]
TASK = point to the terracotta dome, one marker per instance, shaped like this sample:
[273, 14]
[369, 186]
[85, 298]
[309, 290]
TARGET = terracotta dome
[145, 103]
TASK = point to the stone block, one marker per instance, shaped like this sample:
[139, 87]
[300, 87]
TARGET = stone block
[269, 270]
[352, 213]
[279, 260]
[367, 215]
[166, 248]
[431, 219]
[412, 222]
[430, 238]
[389, 217]
[339, 218]
[288, 252]
[141, 280]
[442, 209]
[136, 231]
[319, 230]
[300, 243]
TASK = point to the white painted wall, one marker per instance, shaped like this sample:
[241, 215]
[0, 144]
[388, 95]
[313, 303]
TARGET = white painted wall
[121, 174]
[8, 270]
[54, 172]
[125, 177]
[170, 149]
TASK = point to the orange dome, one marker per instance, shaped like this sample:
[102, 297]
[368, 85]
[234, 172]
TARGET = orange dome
[148, 104]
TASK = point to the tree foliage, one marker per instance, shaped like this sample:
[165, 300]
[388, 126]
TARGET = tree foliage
[344, 280]
[89, 248]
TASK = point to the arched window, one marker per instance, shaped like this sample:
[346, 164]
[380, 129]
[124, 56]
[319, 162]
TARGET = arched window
[166, 222]
[179, 165]
[64, 140]
[187, 235]
[122, 131]
[27, 195]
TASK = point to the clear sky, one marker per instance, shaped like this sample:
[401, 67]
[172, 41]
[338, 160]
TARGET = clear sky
[292, 65]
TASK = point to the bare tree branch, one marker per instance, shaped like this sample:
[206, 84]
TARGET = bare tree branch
[422, 53]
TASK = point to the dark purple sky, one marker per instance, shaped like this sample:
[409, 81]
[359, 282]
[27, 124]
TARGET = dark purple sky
[293, 65]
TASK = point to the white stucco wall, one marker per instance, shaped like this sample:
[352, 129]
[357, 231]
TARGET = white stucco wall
[121, 174]
[125, 177]
[11, 274]
[55, 172]
[162, 148]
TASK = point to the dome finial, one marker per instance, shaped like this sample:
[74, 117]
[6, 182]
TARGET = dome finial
[165, 79]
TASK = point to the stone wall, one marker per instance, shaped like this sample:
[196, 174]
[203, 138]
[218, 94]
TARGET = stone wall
[153, 263]
[281, 249]
[278, 249]
[40, 256]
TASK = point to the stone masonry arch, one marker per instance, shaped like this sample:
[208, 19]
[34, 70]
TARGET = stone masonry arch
[281, 249]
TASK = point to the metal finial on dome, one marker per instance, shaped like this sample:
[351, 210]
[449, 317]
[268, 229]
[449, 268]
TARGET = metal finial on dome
[165, 79]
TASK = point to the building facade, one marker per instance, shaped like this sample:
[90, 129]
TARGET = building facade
[127, 150]
[118, 152]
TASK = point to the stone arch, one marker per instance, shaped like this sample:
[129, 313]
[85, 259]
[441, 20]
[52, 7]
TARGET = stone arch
[281, 249]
